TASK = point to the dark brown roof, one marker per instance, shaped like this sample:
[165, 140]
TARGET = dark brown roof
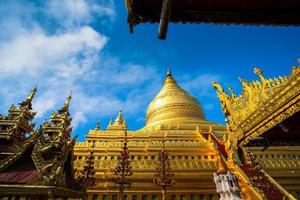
[257, 12]
[19, 177]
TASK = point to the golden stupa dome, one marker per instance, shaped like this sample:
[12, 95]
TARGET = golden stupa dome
[173, 105]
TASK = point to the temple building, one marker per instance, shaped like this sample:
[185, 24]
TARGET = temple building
[38, 163]
[255, 156]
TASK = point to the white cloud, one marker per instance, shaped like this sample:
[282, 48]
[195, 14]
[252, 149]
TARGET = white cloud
[208, 106]
[78, 12]
[37, 51]
[201, 85]
[68, 58]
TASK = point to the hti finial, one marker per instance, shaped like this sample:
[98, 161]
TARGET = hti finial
[98, 125]
[169, 72]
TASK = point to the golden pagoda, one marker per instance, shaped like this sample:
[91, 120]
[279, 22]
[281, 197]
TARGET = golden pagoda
[175, 117]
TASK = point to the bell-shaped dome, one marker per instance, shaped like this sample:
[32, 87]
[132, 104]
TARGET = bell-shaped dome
[173, 104]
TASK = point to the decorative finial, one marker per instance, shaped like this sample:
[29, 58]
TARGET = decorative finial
[221, 166]
[124, 122]
[231, 92]
[257, 71]
[65, 108]
[169, 72]
[98, 125]
[243, 82]
[210, 129]
[169, 78]
[67, 103]
[32, 93]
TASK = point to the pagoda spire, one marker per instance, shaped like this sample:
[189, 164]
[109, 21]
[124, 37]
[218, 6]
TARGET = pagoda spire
[119, 120]
[169, 78]
[66, 105]
[28, 101]
[169, 72]
[98, 125]
[124, 122]
[32, 93]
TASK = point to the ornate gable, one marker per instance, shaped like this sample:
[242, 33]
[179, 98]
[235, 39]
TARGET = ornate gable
[261, 105]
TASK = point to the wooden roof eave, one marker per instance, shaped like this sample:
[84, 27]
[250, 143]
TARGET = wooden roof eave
[12, 189]
[145, 12]
[130, 19]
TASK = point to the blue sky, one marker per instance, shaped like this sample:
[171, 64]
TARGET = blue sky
[84, 46]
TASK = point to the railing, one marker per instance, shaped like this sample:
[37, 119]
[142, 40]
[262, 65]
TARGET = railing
[272, 190]
[246, 179]
[286, 193]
